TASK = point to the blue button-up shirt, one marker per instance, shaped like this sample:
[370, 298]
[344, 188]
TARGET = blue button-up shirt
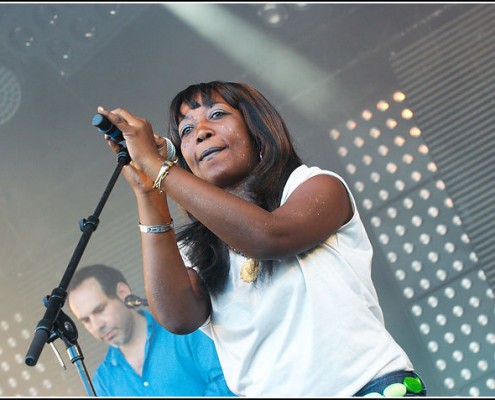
[174, 365]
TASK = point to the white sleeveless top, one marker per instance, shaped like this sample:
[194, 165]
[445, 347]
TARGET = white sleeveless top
[315, 328]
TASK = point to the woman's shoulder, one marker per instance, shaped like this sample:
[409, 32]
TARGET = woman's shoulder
[302, 174]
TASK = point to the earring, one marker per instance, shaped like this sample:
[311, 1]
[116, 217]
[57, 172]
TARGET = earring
[261, 156]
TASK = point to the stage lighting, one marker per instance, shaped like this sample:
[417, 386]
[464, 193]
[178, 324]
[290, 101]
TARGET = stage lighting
[416, 225]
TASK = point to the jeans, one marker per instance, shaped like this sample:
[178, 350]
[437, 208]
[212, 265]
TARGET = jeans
[394, 384]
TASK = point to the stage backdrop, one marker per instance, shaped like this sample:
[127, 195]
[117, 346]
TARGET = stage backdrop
[397, 98]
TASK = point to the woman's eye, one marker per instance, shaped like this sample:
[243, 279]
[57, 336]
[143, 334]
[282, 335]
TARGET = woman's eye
[217, 114]
[185, 130]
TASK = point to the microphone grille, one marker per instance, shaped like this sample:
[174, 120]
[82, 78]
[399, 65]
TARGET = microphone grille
[102, 123]
[170, 149]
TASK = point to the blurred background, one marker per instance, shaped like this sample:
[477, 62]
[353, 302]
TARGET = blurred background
[397, 97]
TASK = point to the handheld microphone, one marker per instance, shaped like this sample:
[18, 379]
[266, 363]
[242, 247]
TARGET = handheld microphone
[105, 126]
[133, 301]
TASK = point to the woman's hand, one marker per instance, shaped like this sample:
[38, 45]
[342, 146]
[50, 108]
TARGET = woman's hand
[143, 145]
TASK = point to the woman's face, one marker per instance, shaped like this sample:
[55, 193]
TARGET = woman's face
[215, 143]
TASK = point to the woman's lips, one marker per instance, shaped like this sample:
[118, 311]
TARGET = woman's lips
[209, 152]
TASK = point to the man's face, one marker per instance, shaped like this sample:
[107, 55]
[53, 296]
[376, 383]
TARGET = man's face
[106, 318]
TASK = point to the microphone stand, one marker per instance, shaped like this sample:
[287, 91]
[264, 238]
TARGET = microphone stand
[55, 323]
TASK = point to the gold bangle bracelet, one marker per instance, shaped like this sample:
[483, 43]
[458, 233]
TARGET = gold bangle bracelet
[163, 173]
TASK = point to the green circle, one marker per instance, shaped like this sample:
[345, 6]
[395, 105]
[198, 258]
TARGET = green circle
[413, 384]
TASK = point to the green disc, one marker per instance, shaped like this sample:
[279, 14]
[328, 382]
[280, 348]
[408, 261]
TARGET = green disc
[413, 384]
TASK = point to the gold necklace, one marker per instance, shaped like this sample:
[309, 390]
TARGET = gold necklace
[250, 268]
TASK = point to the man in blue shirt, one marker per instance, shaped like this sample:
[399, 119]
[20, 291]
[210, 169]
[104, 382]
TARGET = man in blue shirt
[143, 358]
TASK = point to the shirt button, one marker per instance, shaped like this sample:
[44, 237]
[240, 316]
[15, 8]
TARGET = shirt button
[146, 383]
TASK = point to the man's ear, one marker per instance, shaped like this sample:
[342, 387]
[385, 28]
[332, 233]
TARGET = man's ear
[123, 290]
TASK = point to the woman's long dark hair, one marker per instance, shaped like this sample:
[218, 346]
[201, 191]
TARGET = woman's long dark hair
[270, 135]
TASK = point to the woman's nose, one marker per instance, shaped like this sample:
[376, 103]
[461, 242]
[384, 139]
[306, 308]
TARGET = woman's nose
[204, 131]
